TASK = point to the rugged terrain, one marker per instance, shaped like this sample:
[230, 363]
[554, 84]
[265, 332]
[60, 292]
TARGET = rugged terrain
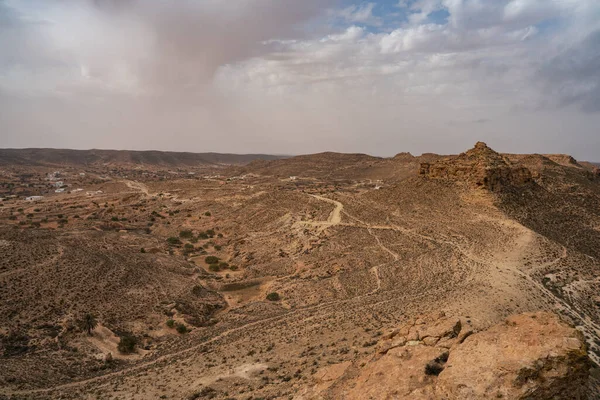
[255, 281]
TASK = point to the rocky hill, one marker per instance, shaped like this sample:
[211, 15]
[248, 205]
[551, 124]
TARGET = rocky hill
[481, 167]
[66, 157]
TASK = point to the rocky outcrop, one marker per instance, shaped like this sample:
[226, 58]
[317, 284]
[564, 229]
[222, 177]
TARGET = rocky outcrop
[529, 356]
[481, 167]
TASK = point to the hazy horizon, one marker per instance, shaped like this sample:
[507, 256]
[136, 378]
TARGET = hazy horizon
[288, 78]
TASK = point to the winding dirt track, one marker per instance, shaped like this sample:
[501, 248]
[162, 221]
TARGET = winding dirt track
[334, 219]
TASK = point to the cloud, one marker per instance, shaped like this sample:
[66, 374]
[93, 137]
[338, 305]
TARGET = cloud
[285, 76]
[359, 14]
[573, 76]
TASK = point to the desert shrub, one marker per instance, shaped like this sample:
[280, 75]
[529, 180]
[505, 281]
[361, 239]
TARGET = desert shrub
[210, 232]
[208, 214]
[233, 267]
[273, 296]
[114, 219]
[433, 368]
[214, 267]
[217, 247]
[173, 240]
[127, 344]
[211, 260]
[181, 328]
[220, 235]
[170, 323]
[142, 250]
[186, 234]
[223, 265]
[189, 247]
[202, 235]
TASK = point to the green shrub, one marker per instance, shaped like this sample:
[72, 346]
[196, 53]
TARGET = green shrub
[210, 233]
[142, 250]
[214, 267]
[173, 240]
[274, 296]
[211, 260]
[217, 247]
[223, 265]
[170, 323]
[202, 235]
[208, 214]
[127, 344]
[186, 234]
[181, 328]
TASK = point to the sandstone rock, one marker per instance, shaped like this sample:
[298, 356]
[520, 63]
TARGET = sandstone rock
[529, 356]
[480, 167]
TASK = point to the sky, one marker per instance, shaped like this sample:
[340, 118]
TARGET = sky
[297, 77]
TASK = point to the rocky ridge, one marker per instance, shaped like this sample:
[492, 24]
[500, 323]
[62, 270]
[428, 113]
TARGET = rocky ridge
[529, 356]
[480, 167]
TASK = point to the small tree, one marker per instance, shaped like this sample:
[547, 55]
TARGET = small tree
[127, 344]
[89, 323]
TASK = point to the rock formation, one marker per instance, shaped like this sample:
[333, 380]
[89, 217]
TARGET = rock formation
[529, 356]
[480, 167]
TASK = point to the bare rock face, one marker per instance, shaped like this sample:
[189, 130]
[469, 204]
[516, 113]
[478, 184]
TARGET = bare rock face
[480, 167]
[529, 356]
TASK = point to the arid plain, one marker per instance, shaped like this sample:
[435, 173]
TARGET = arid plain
[240, 277]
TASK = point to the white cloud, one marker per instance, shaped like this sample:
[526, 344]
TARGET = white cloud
[359, 14]
[286, 76]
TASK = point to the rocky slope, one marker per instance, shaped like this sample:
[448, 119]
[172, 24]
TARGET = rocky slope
[481, 167]
[529, 356]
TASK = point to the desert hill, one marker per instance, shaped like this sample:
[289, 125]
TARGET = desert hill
[247, 282]
[63, 157]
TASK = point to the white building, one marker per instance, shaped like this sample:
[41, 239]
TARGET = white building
[34, 198]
